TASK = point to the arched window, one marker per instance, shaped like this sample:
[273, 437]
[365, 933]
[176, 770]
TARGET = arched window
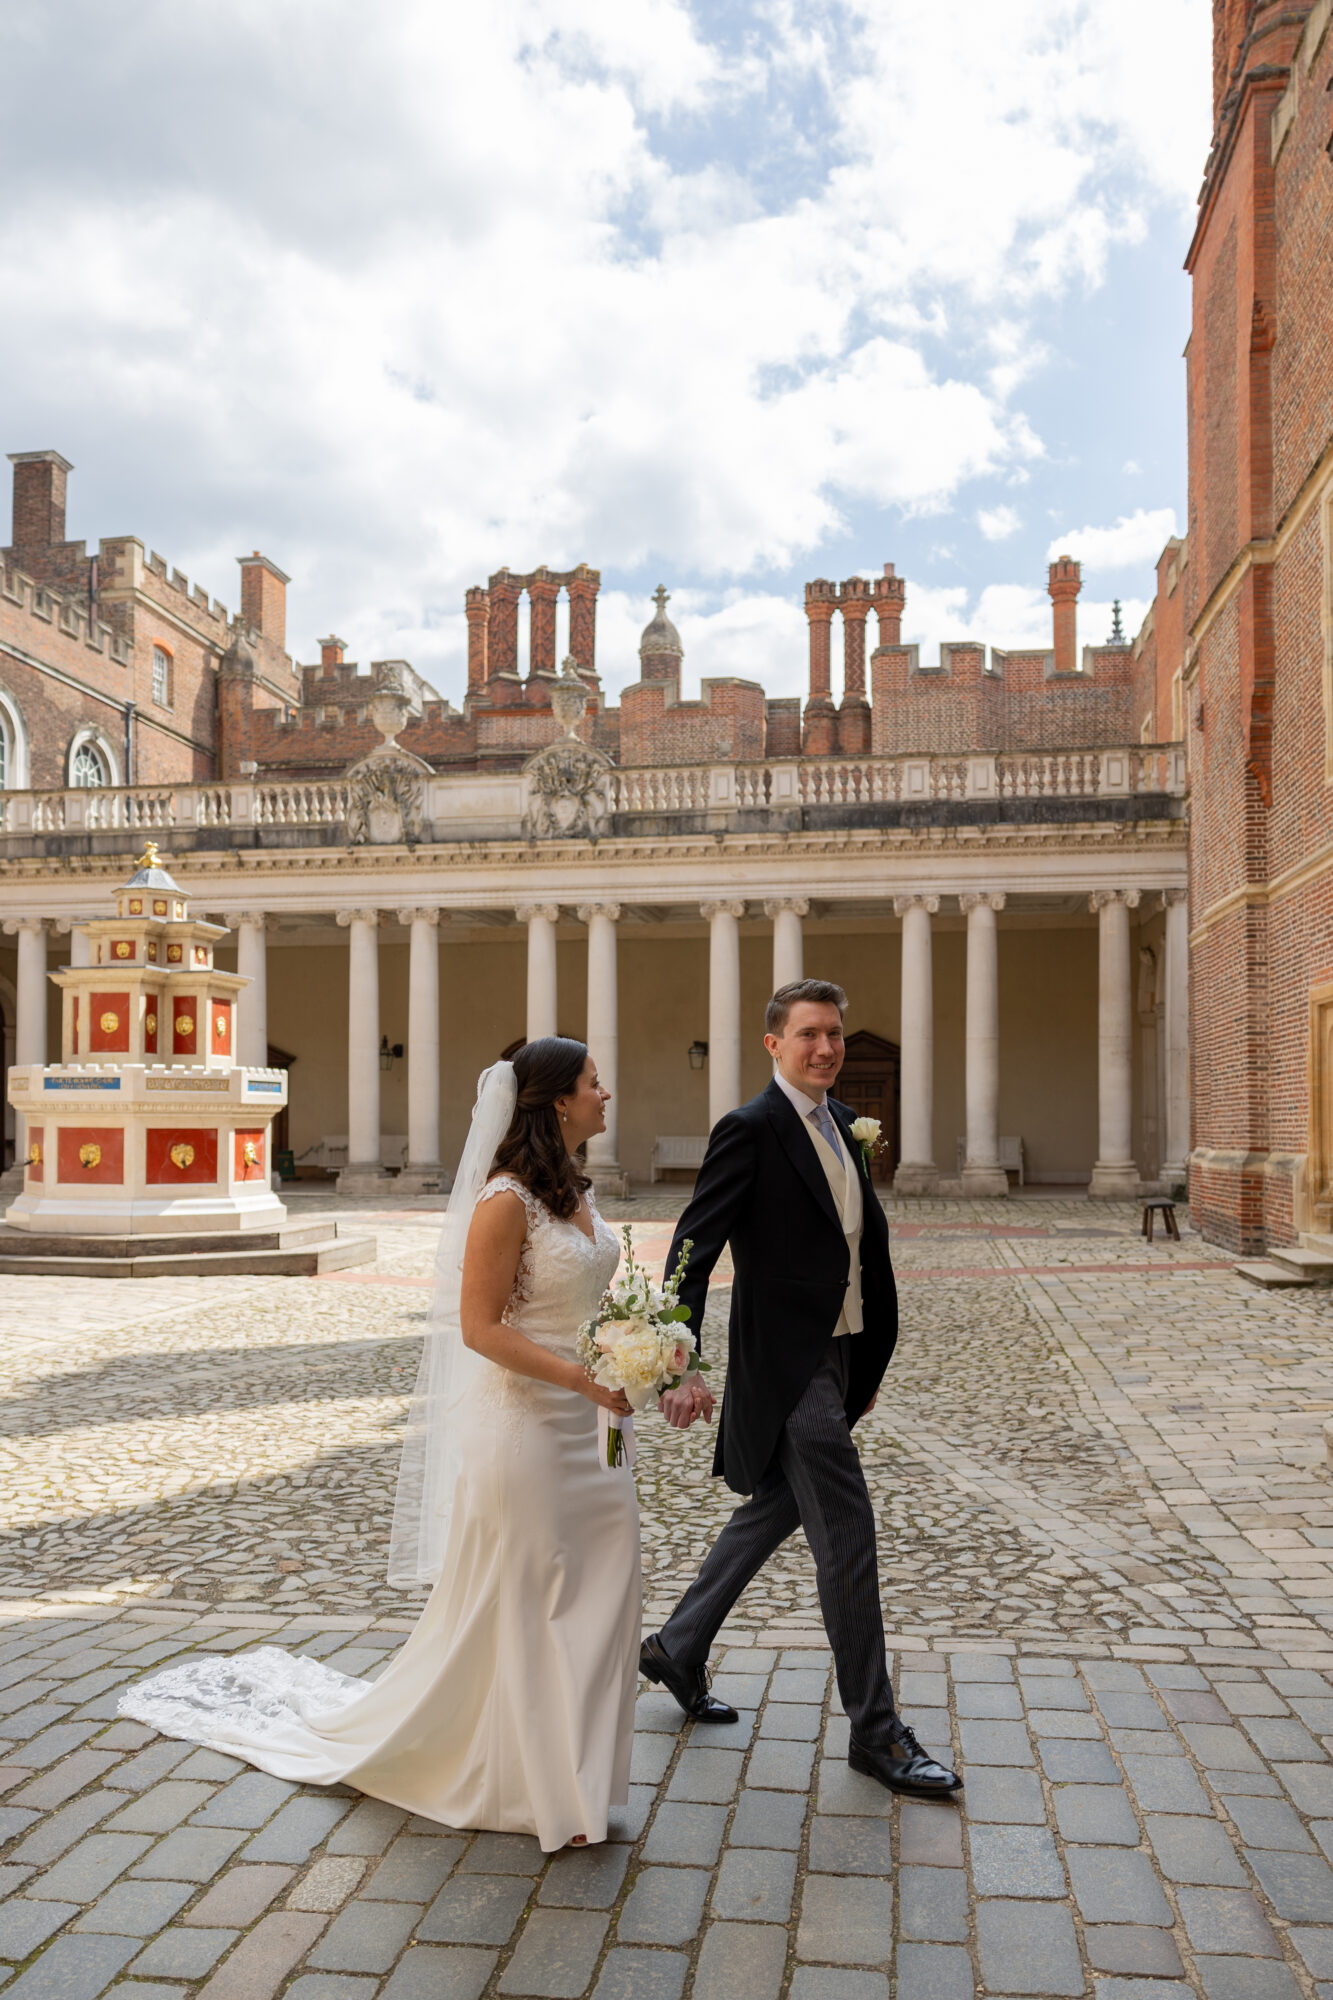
[13, 746]
[162, 676]
[89, 764]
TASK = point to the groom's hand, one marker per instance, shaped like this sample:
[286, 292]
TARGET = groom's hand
[680, 1406]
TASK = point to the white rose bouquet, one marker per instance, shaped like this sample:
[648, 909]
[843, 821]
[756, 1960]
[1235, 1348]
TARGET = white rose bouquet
[637, 1342]
[867, 1134]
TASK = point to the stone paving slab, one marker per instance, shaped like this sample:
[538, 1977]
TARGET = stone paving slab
[1106, 1533]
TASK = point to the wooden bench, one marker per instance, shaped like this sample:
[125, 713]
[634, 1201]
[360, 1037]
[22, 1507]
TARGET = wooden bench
[1011, 1156]
[677, 1154]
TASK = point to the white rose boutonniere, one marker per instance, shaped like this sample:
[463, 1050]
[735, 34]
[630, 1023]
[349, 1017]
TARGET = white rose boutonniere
[867, 1134]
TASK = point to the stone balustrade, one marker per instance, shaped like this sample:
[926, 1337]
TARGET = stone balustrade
[483, 805]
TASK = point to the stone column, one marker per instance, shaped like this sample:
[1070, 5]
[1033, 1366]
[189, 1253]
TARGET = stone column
[363, 1173]
[80, 948]
[541, 920]
[1176, 1138]
[252, 1006]
[423, 1173]
[724, 1007]
[982, 1172]
[30, 1025]
[603, 1034]
[1115, 1177]
[786, 913]
[916, 1172]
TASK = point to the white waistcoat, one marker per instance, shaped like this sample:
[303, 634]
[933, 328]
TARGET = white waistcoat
[844, 1182]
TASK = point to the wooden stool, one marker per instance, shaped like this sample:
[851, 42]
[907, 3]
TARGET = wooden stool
[1163, 1206]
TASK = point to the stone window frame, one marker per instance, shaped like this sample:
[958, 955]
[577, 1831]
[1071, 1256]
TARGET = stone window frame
[13, 745]
[1319, 1056]
[90, 737]
[164, 675]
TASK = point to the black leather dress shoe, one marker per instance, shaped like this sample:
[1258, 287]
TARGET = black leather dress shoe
[689, 1685]
[905, 1767]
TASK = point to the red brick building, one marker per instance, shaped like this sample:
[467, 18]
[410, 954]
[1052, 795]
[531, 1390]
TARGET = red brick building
[1240, 641]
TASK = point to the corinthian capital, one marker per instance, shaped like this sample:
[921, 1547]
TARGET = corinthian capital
[728, 908]
[362, 916]
[775, 905]
[527, 911]
[587, 911]
[990, 899]
[902, 904]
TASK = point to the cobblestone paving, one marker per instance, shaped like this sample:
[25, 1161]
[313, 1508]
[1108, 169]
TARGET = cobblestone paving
[1107, 1558]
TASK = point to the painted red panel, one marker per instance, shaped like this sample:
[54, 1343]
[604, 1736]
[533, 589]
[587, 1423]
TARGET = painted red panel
[220, 1042]
[107, 1140]
[251, 1169]
[36, 1153]
[109, 1023]
[150, 1026]
[123, 949]
[197, 1155]
[173, 954]
[185, 1023]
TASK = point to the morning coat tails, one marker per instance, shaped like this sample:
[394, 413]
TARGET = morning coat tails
[762, 1189]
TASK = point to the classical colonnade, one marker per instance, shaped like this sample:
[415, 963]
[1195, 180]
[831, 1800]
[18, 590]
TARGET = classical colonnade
[1114, 1173]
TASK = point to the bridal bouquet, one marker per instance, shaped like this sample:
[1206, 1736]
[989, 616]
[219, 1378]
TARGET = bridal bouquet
[637, 1342]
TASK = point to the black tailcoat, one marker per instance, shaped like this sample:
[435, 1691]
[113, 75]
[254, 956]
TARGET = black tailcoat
[762, 1189]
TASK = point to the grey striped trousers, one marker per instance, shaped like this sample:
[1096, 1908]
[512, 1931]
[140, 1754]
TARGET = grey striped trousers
[814, 1482]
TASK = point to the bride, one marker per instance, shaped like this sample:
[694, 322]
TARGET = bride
[511, 1705]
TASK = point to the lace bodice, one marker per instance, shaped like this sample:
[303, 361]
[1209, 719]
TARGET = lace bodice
[562, 1272]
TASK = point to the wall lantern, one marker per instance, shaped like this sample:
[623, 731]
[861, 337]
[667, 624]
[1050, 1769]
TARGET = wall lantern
[698, 1054]
[389, 1056]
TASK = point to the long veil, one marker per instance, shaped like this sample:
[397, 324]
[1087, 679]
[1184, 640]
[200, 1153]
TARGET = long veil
[428, 1471]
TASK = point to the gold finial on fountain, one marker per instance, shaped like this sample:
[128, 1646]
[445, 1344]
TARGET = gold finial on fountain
[150, 858]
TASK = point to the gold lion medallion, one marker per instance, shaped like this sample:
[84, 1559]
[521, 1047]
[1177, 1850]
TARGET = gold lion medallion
[185, 1026]
[250, 1153]
[182, 1156]
[109, 1022]
[220, 1026]
[35, 1156]
[150, 1024]
[90, 1155]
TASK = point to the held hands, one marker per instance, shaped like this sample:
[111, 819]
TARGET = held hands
[680, 1406]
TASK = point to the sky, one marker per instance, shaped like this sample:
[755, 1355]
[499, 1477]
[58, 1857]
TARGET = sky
[724, 295]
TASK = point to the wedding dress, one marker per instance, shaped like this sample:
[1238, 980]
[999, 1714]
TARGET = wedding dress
[511, 1704]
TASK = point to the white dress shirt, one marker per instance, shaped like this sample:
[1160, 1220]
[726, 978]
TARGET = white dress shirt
[845, 1186]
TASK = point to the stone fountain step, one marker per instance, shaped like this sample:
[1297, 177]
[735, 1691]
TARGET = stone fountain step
[305, 1250]
[1314, 1264]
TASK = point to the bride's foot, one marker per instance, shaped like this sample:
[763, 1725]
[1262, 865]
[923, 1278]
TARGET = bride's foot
[579, 1840]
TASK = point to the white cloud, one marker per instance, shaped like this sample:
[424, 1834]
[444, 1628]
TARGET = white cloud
[1135, 541]
[405, 293]
[998, 523]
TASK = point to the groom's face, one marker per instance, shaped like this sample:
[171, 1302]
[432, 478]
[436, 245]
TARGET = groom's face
[809, 1051]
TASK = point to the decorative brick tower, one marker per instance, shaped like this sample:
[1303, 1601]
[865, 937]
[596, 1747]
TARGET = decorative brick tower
[147, 1124]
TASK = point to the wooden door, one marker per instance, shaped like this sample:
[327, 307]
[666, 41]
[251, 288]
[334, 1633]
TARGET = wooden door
[869, 1084]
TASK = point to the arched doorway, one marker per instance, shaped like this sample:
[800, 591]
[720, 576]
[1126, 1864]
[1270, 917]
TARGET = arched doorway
[869, 1084]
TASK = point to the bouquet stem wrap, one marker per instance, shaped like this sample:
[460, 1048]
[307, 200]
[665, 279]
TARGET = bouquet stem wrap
[615, 1441]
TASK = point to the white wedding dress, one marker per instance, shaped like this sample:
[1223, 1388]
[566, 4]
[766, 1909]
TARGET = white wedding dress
[511, 1705]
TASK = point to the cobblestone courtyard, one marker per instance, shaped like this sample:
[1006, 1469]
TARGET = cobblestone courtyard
[1107, 1563]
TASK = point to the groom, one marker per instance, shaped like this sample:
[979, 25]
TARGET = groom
[814, 1319]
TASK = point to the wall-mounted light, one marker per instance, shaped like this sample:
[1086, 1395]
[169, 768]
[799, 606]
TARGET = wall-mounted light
[389, 1056]
[698, 1054]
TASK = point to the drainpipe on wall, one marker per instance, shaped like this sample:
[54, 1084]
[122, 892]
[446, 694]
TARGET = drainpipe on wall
[129, 743]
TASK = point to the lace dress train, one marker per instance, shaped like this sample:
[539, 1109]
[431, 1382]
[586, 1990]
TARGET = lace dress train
[511, 1705]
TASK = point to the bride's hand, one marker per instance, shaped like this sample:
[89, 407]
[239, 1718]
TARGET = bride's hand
[614, 1400]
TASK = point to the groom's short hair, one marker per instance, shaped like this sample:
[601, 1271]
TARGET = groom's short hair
[791, 995]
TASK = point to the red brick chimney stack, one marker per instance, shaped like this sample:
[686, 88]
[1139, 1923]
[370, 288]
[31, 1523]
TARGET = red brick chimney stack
[543, 593]
[890, 601]
[477, 611]
[332, 653]
[583, 587]
[821, 601]
[1064, 580]
[264, 597]
[854, 715]
[39, 498]
[502, 634]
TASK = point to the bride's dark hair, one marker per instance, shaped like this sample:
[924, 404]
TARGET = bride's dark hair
[533, 1149]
